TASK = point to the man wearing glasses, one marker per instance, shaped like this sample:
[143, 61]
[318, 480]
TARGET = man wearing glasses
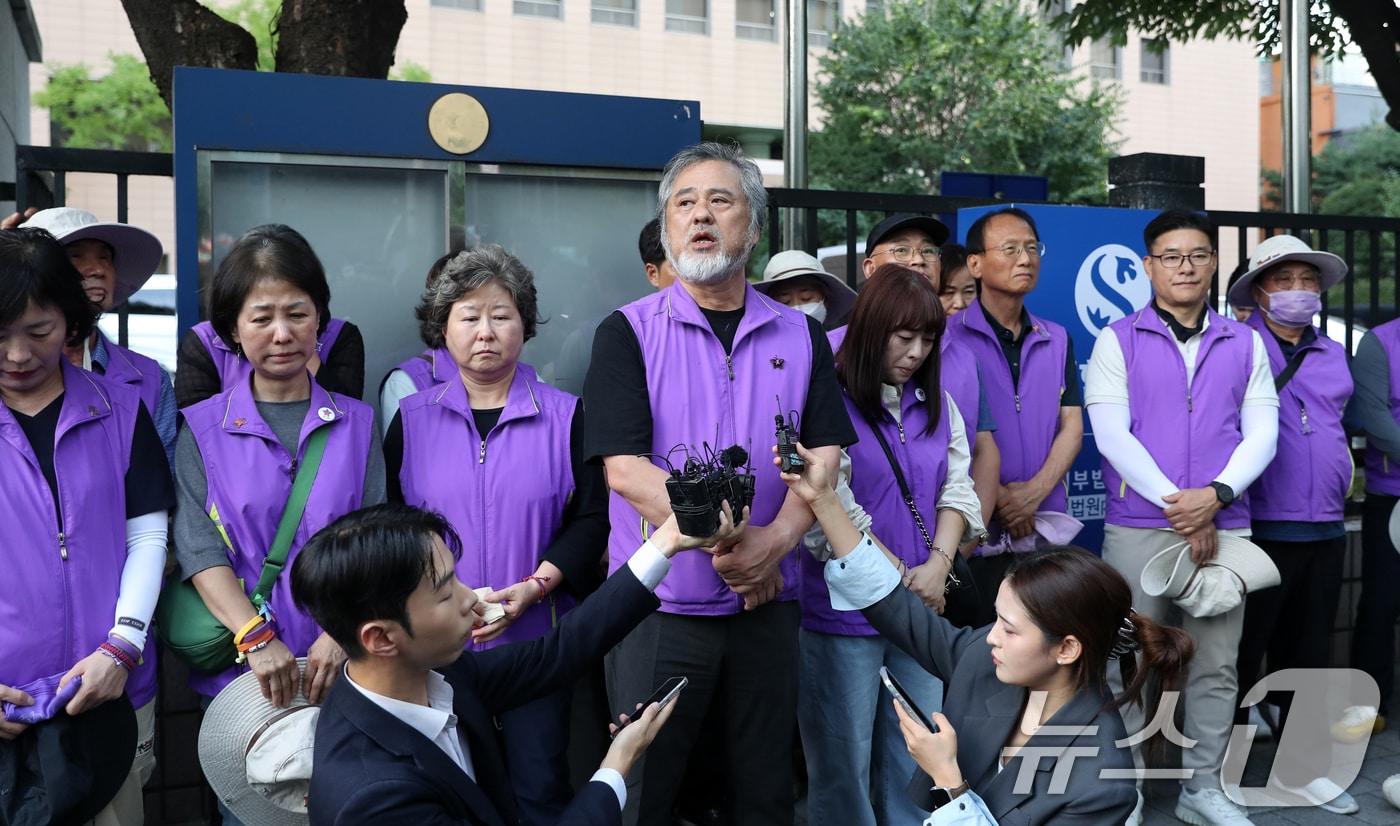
[1185, 415]
[1032, 383]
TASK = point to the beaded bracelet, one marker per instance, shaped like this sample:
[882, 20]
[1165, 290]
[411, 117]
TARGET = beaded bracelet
[540, 581]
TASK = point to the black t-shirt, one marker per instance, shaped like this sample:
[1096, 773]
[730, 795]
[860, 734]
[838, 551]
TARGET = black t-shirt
[616, 390]
[342, 369]
[1011, 350]
[148, 485]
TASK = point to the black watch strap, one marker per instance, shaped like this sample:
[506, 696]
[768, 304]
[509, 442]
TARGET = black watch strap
[1224, 493]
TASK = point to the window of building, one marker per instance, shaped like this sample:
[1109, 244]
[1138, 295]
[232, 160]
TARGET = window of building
[1156, 62]
[756, 20]
[1105, 60]
[540, 8]
[466, 5]
[615, 12]
[688, 16]
[822, 18]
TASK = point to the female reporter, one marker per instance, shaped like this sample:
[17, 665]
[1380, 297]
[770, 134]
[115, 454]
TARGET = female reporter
[500, 454]
[1024, 694]
[911, 437]
[240, 451]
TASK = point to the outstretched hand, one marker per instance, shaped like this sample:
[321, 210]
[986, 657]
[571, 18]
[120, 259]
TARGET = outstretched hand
[669, 540]
[813, 482]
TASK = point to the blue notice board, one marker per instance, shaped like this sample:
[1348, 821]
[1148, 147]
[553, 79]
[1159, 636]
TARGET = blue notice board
[1091, 276]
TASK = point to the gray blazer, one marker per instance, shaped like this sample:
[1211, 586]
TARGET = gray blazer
[984, 711]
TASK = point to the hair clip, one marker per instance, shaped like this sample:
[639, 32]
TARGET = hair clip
[1126, 642]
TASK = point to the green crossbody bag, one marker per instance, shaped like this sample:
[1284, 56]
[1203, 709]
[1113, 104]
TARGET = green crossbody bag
[186, 625]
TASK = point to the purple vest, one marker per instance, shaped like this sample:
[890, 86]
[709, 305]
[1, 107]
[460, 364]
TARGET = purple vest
[1028, 414]
[1311, 473]
[698, 394]
[141, 372]
[924, 460]
[230, 365]
[1381, 475]
[250, 476]
[56, 611]
[430, 368]
[957, 373]
[508, 504]
[1189, 432]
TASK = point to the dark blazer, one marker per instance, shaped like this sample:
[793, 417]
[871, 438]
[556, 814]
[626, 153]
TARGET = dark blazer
[371, 768]
[984, 711]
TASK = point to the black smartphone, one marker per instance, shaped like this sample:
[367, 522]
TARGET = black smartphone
[902, 697]
[663, 695]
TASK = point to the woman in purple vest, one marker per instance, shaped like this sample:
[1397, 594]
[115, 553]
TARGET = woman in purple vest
[429, 368]
[890, 385]
[500, 454]
[207, 362]
[87, 488]
[238, 452]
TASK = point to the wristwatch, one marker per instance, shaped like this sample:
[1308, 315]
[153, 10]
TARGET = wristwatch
[942, 797]
[1223, 493]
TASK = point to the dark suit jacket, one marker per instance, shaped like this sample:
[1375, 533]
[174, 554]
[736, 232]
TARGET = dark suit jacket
[984, 711]
[371, 768]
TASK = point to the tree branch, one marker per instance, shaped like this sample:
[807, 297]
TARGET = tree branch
[184, 33]
[1375, 28]
[339, 37]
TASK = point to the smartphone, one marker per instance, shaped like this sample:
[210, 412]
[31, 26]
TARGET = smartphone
[902, 697]
[663, 695]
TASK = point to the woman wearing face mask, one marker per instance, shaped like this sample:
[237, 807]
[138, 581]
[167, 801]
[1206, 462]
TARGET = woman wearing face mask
[1063, 618]
[797, 279]
[888, 367]
[1296, 506]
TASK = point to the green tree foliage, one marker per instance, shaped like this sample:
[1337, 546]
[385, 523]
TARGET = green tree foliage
[1359, 174]
[923, 86]
[259, 18]
[118, 110]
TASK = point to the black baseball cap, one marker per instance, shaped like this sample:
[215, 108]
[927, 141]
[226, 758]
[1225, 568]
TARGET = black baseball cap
[934, 228]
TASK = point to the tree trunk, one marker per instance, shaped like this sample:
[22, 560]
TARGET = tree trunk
[1375, 28]
[184, 33]
[355, 38]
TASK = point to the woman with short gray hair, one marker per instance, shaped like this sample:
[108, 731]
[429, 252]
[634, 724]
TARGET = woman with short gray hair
[499, 453]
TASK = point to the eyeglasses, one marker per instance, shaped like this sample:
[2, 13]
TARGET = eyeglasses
[1172, 260]
[1288, 280]
[1032, 250]
[906, 254]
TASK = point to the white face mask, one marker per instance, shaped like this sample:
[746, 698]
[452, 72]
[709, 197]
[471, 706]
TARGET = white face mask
[817, 310]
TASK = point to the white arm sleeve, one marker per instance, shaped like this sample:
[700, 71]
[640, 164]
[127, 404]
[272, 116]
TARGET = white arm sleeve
[1111, 424]
[1259, 424]
[397, 385]
[141, 577]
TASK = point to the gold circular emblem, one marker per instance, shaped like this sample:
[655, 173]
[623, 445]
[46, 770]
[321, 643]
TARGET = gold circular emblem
[458, 123]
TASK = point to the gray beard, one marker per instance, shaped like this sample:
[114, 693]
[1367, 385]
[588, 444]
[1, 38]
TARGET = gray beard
[706, 270]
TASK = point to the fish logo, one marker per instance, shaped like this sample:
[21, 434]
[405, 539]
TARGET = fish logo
[1111, 284]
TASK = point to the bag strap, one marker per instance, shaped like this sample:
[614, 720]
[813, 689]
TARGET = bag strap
[291, 515]
[1282, 378]
[901, 481]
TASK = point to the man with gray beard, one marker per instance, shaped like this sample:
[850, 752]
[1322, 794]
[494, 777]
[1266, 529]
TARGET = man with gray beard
[702, 361]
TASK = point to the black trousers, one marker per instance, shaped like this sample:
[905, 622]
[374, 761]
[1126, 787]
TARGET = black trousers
[987, 574]
[1292, 624]
[748, 661]
[1373, 644]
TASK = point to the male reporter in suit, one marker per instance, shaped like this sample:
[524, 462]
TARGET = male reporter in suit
[407, 736]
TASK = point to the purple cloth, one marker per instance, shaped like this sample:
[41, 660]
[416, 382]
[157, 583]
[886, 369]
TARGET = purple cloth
[48, 698]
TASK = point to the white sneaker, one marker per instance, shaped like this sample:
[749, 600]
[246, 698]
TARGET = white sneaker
[1390, 789]
[1326, 795]
[1135, 819]
[1209, 808]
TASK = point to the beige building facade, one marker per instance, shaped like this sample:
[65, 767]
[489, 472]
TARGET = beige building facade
[1195, 98]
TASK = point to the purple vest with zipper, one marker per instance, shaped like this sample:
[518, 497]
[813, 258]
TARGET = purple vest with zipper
[1311, 473]
[1190, 432]
[699, 395]
[1028, 414]
[957, 373]
[504, 493]
[131, 368]
[429, 369]
[60, 592]
[924, 460]
[1382, 476]
[250, 477]
[230, 366]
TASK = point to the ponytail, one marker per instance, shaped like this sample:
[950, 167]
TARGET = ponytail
[1166, 652]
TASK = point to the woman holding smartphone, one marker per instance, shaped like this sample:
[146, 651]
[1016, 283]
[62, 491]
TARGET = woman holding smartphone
[1020, 695]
